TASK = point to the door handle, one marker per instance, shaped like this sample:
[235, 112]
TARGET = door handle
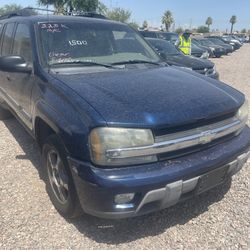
[8, 78]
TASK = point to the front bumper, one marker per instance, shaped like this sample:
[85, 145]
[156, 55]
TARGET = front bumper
[215, 75]
[230, 50]
[158, 185]
[219, 53]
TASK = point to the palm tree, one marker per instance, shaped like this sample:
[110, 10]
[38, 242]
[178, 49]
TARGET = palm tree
[209, 22]
[233, 21]
[167, 19]
[9, 7]
[70, 5]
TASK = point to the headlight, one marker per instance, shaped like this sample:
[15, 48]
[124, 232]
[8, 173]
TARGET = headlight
[205, 55]
[214, 69]
[242, 113]
[185, 68]
[103, 139]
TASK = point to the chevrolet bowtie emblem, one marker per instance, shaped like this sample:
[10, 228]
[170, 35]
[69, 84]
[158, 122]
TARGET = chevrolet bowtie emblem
[206, 137]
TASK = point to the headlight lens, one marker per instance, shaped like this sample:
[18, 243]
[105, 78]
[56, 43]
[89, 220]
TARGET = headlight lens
[185, 68]
[242, 113]
[214, 69]
[103, 139]
[205, 55]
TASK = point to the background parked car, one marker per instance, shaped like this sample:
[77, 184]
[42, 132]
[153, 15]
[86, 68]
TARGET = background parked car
[175, 57]
[239, 38]
[227, 41]
[232, 41]
[209, 50]
[218, 50]
[199, 52]
[229, 48]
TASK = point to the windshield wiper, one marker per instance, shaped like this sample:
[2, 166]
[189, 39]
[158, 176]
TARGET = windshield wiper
[135, 62]
[84, 63]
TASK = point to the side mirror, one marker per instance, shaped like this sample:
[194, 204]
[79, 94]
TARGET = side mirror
[14, 64]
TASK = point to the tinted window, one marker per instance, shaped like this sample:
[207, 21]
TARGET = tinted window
[1, 26]
[1, 31]
[206, 42]
[164, 46]
[170, 36]
[22, 43]
[7, 39]
[149, 34]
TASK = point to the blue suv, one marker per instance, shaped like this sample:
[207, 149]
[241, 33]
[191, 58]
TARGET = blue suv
[121, 133]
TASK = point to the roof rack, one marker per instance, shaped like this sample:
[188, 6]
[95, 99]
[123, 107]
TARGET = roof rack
[30, 11]
[87, 14]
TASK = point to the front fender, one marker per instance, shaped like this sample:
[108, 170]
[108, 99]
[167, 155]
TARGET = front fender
[73, 135]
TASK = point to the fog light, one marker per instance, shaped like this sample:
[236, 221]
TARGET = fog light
[124, 198]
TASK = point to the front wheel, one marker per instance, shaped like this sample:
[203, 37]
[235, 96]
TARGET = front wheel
[59, 181]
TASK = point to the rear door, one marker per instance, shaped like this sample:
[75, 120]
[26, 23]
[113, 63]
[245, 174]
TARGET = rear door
[5, 50]
[1, 34]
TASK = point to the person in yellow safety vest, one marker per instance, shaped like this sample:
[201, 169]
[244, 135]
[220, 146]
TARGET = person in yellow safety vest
[185, 42]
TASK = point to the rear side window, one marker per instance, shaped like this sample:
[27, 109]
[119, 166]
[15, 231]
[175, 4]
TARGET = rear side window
[7, 39]
[1, 26]
[22, 42]
[1, 31]
[149, 34]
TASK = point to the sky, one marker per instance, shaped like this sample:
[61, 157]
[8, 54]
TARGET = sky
[190, 13]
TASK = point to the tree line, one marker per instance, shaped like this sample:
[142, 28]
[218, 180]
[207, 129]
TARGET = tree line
[118, 14]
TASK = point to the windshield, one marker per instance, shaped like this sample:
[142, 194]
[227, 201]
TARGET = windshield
[226, 38]
[164, 46]
[217, 41]
[206, 42]
[169, 36]
[100, 43]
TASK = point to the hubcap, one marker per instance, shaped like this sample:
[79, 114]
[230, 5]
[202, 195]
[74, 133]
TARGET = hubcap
[58, 178]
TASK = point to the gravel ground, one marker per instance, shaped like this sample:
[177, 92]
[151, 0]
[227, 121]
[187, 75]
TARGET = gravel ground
[219, 219]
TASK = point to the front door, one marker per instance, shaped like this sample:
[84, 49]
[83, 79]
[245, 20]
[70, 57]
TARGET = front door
[22, 83]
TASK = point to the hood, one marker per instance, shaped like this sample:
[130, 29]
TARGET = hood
[189, 62]
[154, 97]
[218, 47]
[227, 46]
[206, 48]
[197, 49]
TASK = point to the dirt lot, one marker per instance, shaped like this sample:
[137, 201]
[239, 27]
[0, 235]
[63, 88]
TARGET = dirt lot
[219, 219]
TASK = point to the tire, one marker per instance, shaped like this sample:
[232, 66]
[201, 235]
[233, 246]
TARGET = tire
[4, 113]
[58, 179]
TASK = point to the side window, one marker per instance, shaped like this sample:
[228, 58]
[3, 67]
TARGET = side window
[1, 37]
[1, 27]
[7, 39]
[22, 42]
